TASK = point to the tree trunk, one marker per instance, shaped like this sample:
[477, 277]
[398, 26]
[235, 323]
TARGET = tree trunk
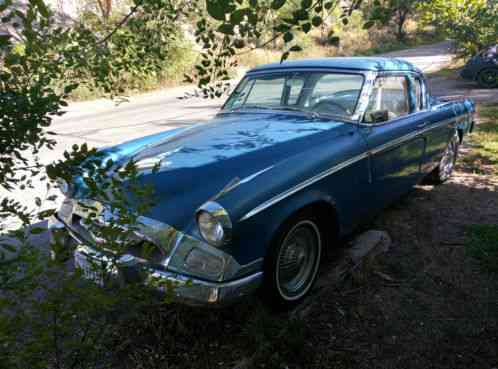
[400, 34]
[105, 7]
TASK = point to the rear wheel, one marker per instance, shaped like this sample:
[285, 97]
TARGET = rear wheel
[488, 78]
[447, 164]
[292, 264]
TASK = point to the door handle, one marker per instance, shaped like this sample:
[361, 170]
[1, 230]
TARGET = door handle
[422, 125]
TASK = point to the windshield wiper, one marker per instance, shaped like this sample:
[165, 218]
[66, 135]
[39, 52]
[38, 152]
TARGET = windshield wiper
[251, 106]
[312, 114]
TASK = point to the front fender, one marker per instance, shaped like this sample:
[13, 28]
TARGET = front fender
[256, 233]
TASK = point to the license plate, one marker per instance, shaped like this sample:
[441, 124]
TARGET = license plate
[91, 269]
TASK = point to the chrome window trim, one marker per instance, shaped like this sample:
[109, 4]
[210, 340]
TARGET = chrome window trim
[272, 201]
[374, 77]
[366, 74]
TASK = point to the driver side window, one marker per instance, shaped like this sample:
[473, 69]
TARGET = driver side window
[389, 96]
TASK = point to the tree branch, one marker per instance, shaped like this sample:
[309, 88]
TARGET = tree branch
[119, 25]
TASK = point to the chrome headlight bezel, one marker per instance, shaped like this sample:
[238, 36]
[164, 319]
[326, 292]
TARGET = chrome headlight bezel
[220, 218]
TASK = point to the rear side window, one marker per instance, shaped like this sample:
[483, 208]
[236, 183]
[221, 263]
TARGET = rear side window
[389, 93]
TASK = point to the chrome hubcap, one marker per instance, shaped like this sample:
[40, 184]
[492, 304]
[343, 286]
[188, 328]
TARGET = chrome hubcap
[297, 262]
[448, 160]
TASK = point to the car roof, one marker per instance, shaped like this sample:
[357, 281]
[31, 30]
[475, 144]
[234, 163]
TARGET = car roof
[377, 64]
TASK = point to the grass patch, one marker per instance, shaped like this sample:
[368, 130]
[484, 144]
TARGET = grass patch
[482, 244]
[276, 341]
[485, 139]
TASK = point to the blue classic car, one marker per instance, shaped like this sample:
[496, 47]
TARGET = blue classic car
[300, 154]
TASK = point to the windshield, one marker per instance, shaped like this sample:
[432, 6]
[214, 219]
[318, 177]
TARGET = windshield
[310, 92]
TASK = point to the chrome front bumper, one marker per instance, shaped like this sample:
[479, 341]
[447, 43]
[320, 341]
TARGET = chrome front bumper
[182, 288]
[235, 282]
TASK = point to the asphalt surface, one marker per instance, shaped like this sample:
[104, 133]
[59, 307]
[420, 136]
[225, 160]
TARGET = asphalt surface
[102, 123]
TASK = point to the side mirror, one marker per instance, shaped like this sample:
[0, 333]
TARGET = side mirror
[379, 116]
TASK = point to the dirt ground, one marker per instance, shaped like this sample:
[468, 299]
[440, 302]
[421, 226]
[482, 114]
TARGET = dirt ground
[424, 304]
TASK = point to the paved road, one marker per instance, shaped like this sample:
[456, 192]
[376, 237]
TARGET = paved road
[103, 123]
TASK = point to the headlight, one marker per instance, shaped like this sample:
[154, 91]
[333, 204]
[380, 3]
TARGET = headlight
[214, 224]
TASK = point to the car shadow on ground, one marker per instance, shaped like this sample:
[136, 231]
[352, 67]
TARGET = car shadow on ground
[426, 303]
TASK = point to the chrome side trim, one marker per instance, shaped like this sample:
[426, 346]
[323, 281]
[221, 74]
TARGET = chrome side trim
[302, 185]
[265, 205]
[409, 136]
[252, 176]
[236, 182]
[394, 142]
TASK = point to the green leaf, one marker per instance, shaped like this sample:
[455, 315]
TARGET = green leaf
[317, 21]
[284, 57]
[226, 29]
[4, 40]
[329, 5]
[306, 27]
[368, 24]
[282, 28]
[288, 37]
[8, 247]
[306, 4]
[296, 48]
[277, 4]
[300, 15]
[40, 4]
[239, 44]
[217, 8]
[237, 16]
[37, 230]
[334, 41]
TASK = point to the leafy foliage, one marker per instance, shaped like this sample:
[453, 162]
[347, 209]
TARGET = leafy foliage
[473, 24]
[397, 12]
[240, 26]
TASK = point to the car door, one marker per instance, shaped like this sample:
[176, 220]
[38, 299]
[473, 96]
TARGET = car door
[395, 145]
[437, 124]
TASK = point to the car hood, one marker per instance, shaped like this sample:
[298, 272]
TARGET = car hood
[198, 162]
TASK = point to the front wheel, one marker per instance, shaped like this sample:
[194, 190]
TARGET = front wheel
[292, 264]
[447, 164]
